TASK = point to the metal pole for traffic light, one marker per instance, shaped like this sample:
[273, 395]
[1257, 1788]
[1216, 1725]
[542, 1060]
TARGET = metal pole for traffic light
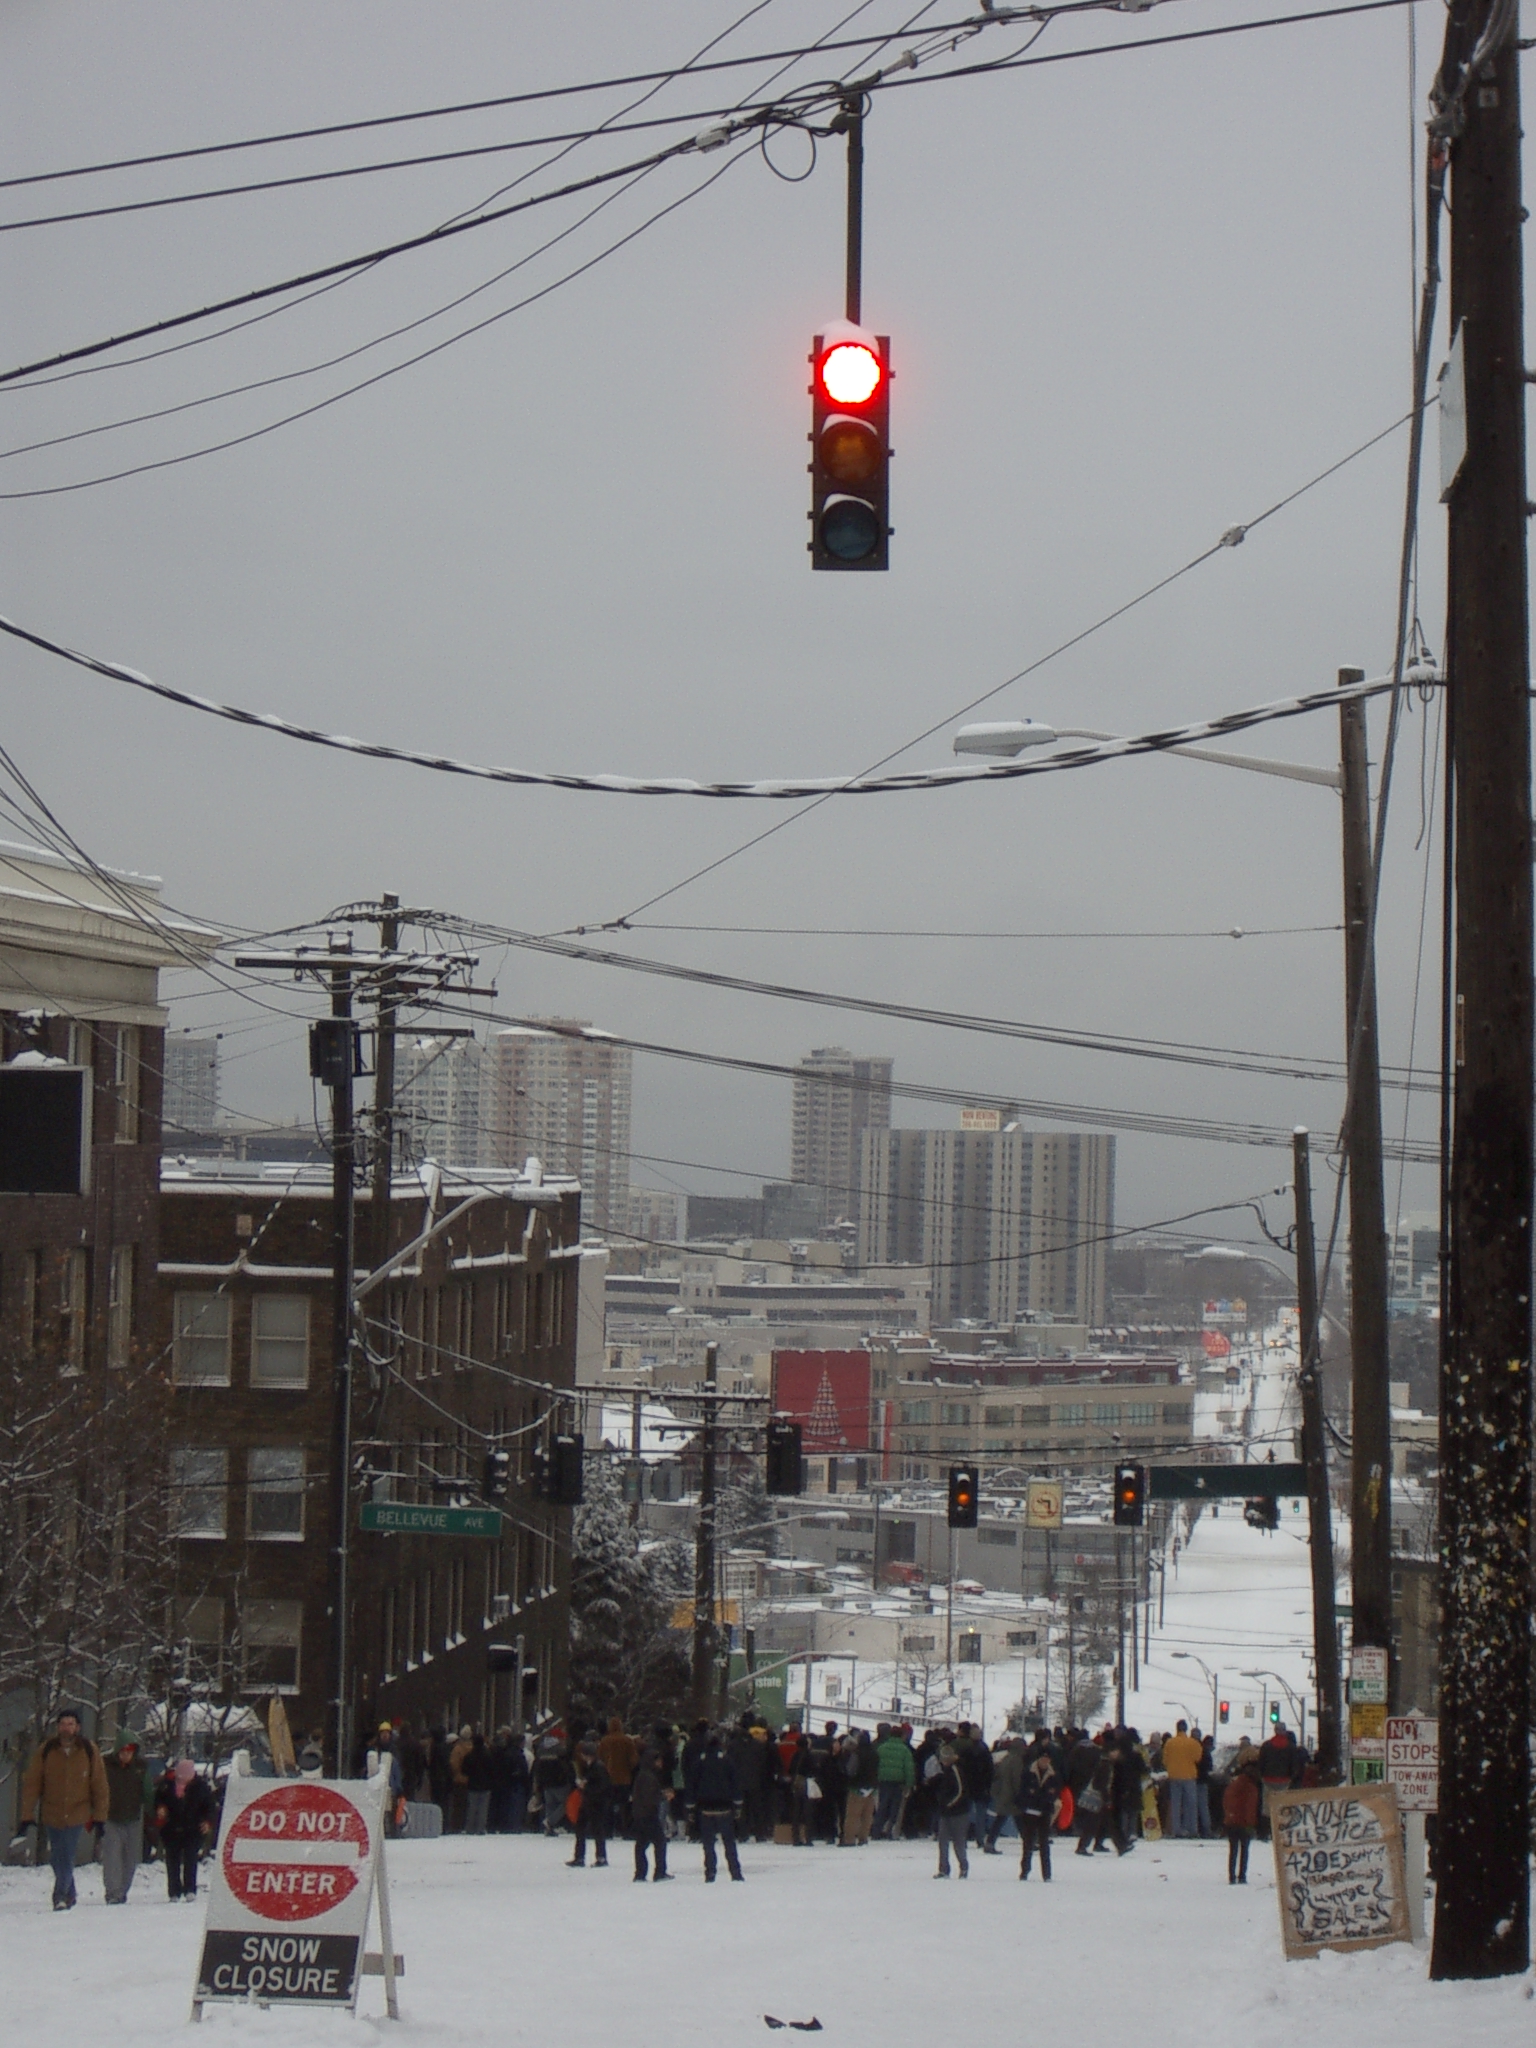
[342, 1278]
[704, 1550]
[853, 120]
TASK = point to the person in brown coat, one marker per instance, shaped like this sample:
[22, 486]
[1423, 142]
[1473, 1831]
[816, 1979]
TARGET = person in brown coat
[67, 1781]
[1240, 1816]
[620, 1754]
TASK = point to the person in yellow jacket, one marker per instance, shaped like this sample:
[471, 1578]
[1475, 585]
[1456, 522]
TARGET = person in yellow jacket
[1181, 1760]
[67, 1780]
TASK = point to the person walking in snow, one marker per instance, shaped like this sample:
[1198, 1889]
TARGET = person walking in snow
[184, 1815]
[952, 1811]
[649, 1792]
[1181, 1760]
[130, 1801]
[1036, 1805]
[592, 1819]
[1240, 1816]
[714, 1798]
[65, 1781]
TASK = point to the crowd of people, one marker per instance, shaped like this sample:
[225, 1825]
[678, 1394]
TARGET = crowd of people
[847, 1787]
[714, 1785]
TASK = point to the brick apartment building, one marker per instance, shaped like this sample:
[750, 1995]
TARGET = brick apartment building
[471, 1340]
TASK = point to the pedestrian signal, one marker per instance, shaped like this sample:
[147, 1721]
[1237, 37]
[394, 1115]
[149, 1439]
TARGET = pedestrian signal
[1130, 1496]
[850, 455]
[785, 1473]
[964, 1496]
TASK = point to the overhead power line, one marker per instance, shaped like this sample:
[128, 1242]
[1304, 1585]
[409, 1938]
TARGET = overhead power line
[669, 786]
[757, 117]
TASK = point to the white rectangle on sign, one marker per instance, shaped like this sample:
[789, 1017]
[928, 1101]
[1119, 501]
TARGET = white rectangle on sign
[1368, 1676]
[1413, 1762]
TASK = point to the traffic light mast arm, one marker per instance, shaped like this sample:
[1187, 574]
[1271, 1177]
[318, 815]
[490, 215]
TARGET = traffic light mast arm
[852, 118]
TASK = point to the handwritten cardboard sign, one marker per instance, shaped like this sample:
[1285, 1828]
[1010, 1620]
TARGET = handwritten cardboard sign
[1339, 1868]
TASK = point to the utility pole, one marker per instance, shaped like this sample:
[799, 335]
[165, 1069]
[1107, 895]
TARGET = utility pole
[342, 1276]
[1314, 1451]
[1371, 1423]
[1119, 1631]
[704, 1550]
[384, 1088]
[1482, 1902]
[636, 1469]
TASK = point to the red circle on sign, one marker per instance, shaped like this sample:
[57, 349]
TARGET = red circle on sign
[295, 1853]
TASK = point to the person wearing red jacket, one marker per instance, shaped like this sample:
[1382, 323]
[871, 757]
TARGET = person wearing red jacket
[1240, 1816]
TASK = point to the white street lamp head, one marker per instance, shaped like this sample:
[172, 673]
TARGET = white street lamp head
[1006, 737]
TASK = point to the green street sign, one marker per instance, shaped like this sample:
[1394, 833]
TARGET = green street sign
[1225, 1482]
[415, 1521]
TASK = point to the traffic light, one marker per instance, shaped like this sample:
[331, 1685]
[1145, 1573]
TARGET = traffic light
[850, 448]
[497, 1477]
[1224, 1713]
[1262, 1514]
[565, 1466]
[1274, 1713]
[1130, 1496]
[331, 1051]
[964, 1497]
[785, 1473]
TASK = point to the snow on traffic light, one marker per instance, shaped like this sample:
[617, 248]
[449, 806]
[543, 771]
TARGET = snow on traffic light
[850, 452]
[1130, 1496]
[964, 1496]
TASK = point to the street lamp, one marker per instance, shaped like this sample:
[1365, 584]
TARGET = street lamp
[1189, 1657]
[1008, 738]
[1297, 1700]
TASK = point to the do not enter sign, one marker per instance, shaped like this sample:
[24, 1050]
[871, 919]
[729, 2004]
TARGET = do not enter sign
[295, 1852]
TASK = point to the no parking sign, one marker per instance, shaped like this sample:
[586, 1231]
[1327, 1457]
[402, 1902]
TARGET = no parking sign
[290, 1892]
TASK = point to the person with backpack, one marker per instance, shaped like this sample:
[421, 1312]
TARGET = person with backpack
[67, 1783]
[185, 1813]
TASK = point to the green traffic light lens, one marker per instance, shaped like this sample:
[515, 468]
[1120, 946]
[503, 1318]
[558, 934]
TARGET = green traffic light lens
[850, 450]
[850, 529]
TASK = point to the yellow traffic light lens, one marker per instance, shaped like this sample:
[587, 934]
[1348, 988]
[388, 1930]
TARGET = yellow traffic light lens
[850, 450]
[851, 373]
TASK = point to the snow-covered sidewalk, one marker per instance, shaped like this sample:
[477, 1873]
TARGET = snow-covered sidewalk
[503, 1944]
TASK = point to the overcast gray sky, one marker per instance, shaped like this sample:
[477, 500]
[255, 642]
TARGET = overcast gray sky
[1133, 300]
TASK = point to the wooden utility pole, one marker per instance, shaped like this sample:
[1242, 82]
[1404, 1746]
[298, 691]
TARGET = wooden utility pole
[343, 1261]
[1314, 1452]
[1371, 1420]
[1482, 1903]
[704, 1550]
[384, 1090]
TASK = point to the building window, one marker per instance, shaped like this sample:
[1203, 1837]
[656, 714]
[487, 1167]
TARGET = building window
[455, 1621]
[120, 1306]
[1035, 1418]
[997, 1418]
[387, 1638]
[280, 1340]
[201, 1345]
[125, 1083]
[1073, 1416]
[200, 1485]
[954, 1414]
[1141, 1414]
[276, 1495]
[270, 1632]
[1176, 1412]
[1107, 1414]
[914, 1412]
[73, 1276]
[1005, 1539]
[31, 1275]
[424, 1620]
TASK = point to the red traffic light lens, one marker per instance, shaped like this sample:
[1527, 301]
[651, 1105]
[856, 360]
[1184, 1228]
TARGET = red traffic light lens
[851, 373]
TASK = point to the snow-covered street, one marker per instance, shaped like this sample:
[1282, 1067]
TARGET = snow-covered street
[503, 1943]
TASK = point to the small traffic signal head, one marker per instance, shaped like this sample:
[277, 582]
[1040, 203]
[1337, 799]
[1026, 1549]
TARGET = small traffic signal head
[1130, 1496]
[850, 455]
[1225, 1713]
[964, 1496]
[498, 1475]
[1274, 1713]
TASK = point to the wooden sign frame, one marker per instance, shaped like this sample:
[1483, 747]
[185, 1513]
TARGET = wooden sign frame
[1339, 1875]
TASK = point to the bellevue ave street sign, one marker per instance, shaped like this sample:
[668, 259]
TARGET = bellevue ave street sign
[418, 1521]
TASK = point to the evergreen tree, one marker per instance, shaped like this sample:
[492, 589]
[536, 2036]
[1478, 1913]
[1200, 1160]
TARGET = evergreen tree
[626, 1659]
